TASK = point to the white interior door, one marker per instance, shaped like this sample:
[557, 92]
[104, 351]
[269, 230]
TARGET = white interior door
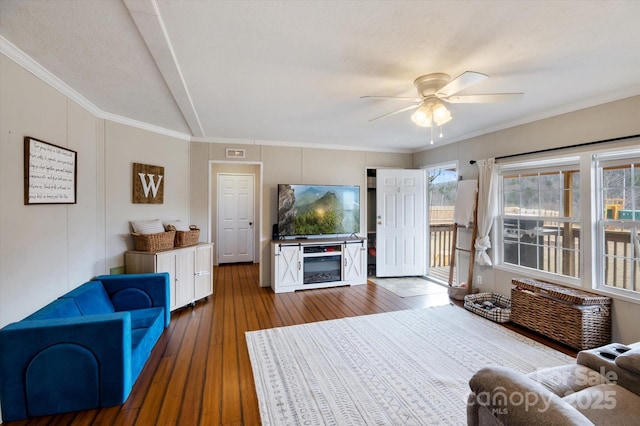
[400, 223]
[235, 217]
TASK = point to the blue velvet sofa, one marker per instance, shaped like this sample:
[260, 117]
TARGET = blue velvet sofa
[85, 349]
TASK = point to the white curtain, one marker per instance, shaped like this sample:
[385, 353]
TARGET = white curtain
[487, 208]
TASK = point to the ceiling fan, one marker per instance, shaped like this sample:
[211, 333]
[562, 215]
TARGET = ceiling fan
[435, 88]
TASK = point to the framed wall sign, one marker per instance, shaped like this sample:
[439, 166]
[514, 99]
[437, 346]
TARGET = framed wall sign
[49, 173]
[148, 184]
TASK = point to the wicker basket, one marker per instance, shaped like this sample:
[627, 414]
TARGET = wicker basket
[501, 313]
[576, 318]
[154, 242]
[577, 297]
[187, 238]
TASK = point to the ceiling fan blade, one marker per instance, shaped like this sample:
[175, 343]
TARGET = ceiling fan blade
[464, 80]
[396, 112]
[489, 98]
[400, 98]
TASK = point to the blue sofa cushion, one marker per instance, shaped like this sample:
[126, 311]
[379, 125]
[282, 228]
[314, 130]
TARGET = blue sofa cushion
[75, 379]
[91, 298]
[131, 298]
[145, 318]
[61, 308]
[156, 286]
[85, 349]
[143, 339]
[107, 337]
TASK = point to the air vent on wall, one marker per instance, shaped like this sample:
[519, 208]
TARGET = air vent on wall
[236, 153]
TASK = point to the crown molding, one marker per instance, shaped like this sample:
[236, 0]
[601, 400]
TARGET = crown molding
[228, 141]
[332, 146]
[25, 61]
[267, 142]
[144, 126]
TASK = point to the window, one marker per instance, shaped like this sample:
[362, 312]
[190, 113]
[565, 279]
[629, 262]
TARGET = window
[618, 220]
[540, 216]
[574, 220]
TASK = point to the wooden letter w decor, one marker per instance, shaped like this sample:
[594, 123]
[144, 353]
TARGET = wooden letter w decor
[148, 184]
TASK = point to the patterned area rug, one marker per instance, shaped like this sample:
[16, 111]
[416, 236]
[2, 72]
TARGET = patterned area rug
[399, 368]
[409, 286]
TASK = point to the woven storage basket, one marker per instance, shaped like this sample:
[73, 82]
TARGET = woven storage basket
[154, 242]
[473, 303]
[576, 318]
[186, 238]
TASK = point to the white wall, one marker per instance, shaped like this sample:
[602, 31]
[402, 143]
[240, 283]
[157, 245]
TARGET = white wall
[287, 165]
[611, 120]
[47, 250]
[125, 145]
[44, 249]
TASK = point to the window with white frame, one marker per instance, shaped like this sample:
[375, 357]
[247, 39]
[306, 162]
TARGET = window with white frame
[540, 216]
[618, 220]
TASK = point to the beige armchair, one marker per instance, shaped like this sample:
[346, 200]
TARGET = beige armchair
[602, 388]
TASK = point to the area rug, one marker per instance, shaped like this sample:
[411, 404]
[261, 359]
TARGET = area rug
[409, 286]
[398, 368]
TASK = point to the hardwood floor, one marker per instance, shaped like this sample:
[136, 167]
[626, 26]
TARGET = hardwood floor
[199, 371]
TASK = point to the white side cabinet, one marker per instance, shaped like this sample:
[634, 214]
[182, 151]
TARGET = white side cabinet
[317, 263]
[190, 270]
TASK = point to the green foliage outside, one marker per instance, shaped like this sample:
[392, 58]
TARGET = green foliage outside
[326, 215]
[313, 223]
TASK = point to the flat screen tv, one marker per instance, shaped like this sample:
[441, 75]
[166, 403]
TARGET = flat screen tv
[311, 210]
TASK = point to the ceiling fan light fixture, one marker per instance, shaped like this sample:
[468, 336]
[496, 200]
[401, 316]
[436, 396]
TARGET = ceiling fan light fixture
[441, 114]
[431, 113]
[422, 116]
[435, 88]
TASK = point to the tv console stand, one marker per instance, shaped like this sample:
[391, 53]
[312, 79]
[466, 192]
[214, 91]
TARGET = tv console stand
[302, 264]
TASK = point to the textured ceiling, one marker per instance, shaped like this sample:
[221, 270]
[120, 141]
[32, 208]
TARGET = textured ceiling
[293, 72]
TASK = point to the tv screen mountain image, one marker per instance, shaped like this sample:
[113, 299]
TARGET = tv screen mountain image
[318, 209]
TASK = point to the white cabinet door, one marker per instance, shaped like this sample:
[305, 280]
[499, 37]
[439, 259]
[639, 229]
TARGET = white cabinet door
[400, 223]
[190, 271]
[355, 263]
[166, 262]
[204, 269]
[288, 271]
[185, 276]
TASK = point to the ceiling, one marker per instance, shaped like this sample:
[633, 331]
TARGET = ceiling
[285, 72]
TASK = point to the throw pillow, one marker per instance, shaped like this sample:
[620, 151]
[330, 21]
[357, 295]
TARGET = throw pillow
[147, 226]
[178, 224]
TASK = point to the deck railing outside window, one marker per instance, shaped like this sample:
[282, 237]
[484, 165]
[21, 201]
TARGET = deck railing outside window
[550, 254]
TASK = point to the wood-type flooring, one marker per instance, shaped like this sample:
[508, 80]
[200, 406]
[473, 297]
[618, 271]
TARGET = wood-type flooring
[199, 372]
